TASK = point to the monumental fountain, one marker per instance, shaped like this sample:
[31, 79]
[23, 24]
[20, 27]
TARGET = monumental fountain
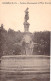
[27, 36]
[27, 64]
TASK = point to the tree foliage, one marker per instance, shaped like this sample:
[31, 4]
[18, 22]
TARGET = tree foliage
[43, 42]
[10, 42]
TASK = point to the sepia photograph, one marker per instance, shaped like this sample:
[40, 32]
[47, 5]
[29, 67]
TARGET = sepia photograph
[25, 36]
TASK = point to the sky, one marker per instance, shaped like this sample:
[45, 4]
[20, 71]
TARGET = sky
[12, 14]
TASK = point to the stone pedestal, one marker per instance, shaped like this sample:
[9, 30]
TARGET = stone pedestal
[24, 64]
[25, 67]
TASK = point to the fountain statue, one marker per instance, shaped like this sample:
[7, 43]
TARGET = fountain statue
[27, 37]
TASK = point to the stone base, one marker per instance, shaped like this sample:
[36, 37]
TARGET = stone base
[25, 68]
[25, 63]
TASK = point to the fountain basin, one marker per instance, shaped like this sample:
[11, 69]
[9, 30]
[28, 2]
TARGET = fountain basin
[25, 63]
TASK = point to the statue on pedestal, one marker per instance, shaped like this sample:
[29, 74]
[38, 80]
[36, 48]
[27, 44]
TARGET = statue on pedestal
[26, 14]
[26, 24]
[27, 37]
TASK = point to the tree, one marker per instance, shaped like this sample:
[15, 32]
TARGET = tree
[43, 42]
